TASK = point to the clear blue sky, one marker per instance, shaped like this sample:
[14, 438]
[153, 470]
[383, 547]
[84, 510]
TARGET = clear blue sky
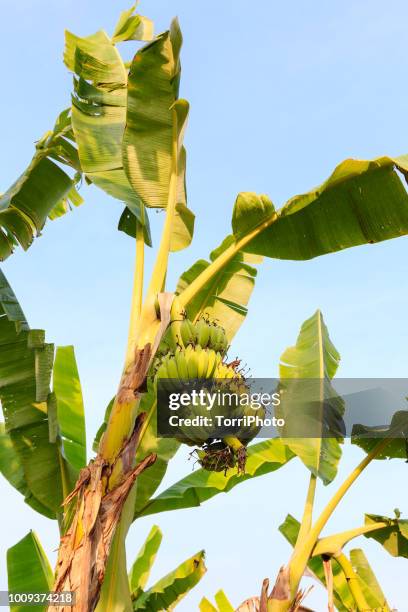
[280, 93]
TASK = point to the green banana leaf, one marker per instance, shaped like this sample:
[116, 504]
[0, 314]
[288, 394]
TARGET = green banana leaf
[225, 297]
[368, 437]
[313, 357]
[148, 140]
[342, 596]
[393, 538]
[28, 570]
[99, 117]
[368, 581]
[140, 571]
[193, 490]
[33, 434]
[171, 589]
[12, 469]
[44, 190]
[182, 229]
[70, 406]
[153, 138]
[132, 27]
[362, 202]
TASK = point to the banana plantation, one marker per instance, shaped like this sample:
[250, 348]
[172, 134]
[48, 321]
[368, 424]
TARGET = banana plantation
[122, 132]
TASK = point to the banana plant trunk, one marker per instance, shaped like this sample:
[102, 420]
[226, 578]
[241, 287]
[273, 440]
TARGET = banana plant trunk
[94, 508]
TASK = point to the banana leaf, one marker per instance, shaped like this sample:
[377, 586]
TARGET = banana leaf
[12, 469]
[224, 298]
[153, 88]
[368, 581]
[35, 437]
[155, 124]
[368, 437]
[313, 357]
[193, 490]
[132, 27]
[99, 116]
[29, 571]
[223, 603]
[44, 190]
[362, 202]
[170, 590]
[394, 537]
[140, 571]
[206, 606]
[70, 406]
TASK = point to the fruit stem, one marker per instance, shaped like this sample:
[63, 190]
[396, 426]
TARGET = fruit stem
[233, 443]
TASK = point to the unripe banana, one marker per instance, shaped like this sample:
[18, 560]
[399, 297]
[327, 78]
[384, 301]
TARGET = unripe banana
[224, 371]
[202, 330]
[217, 336]
[222, 341]
[162, 371]
[214, 359]
[181, 364]
[172, 368]
[192, 362]
[202, 364]
[187, 332]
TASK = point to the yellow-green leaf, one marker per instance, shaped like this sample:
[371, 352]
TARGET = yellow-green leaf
[394, 537]
[171, 589]
[132, 27]
[140, 571]
[368, 582]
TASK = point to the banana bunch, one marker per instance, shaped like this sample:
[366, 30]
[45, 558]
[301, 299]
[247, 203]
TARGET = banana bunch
[195, 350]
[185, 334]
[203, 333]
[189, 364]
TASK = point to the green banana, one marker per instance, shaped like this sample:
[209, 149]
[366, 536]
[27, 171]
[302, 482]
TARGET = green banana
[181, 364]
[187, 333]
[192, 362]
[172, 368]
[202, 364]
[202, 330]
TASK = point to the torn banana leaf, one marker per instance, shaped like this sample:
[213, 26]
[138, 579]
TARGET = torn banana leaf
[44, 190]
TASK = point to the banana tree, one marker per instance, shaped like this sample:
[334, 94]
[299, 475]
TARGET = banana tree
[124, 134]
